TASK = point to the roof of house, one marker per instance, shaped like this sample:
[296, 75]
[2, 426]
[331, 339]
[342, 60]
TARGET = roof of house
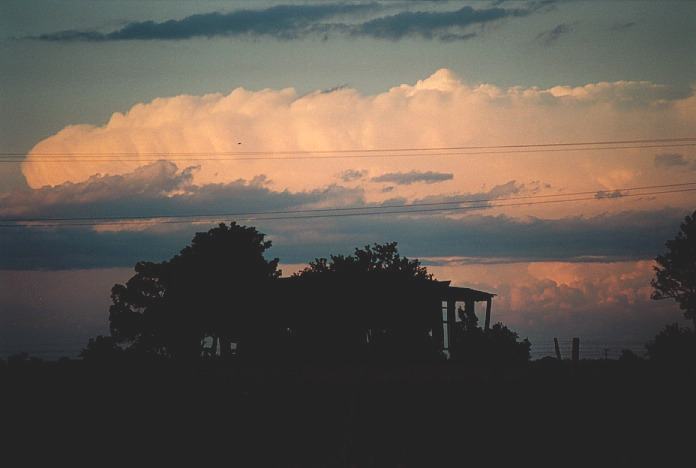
[464, 294]
[443, 288]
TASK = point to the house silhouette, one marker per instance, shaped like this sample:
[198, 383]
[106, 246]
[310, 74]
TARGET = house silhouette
[344, 314]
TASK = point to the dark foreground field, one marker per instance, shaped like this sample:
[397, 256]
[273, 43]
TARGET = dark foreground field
[600, 413]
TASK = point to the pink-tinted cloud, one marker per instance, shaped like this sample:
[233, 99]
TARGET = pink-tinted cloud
[593, 300]
[441, 110]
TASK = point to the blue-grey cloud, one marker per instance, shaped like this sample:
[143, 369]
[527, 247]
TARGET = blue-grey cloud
[602, 194]
[622, 25]
[161, 189]
[622, 236]
[634, 235]
[497, 191]
[443, 25]
[668, 160]
[351, 175]
[280, 21]
[408, 178]
[287, 22]
[552, 36]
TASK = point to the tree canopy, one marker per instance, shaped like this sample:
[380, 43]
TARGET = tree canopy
[375, 259]
[371, 304]
[206, 291]
[675, 272]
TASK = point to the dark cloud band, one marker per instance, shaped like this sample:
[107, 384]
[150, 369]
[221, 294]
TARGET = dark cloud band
[623, 236]
[288, 22]
[552, 36]
[408, 178]
[162, 189]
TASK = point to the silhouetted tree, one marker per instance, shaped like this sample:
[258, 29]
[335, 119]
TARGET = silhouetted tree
[368, 304]
[675, 273]
[377, 259]
[210, 289]
[673, 345]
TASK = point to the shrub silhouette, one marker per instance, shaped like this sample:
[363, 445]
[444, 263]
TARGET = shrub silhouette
[497, 347]
[101, 349]
[628, 356]
[673, 345]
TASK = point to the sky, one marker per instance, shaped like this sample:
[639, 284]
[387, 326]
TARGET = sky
[87, 84]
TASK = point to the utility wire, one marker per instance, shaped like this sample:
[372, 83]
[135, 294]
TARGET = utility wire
[168, 156]
[618, 191]
[167, 220]
[372, 150]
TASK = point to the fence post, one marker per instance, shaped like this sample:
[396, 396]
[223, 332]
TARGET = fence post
[558, 349]
[576, 350]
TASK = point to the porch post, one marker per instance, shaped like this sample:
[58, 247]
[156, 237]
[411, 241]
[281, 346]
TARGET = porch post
[438, 331]
[451, 320]
[488, 313]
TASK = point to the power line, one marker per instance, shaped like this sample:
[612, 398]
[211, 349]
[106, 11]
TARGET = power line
[372, 150]
[618, 191]
[342, 156]
[168, 220]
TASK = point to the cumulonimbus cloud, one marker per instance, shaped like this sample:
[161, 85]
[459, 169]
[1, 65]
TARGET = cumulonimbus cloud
[439, 111]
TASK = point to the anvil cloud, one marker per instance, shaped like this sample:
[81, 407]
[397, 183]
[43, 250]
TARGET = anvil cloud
[441, 110]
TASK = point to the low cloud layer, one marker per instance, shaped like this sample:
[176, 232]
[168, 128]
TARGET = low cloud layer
[479, 237]
[161, 189]
[296, 21]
